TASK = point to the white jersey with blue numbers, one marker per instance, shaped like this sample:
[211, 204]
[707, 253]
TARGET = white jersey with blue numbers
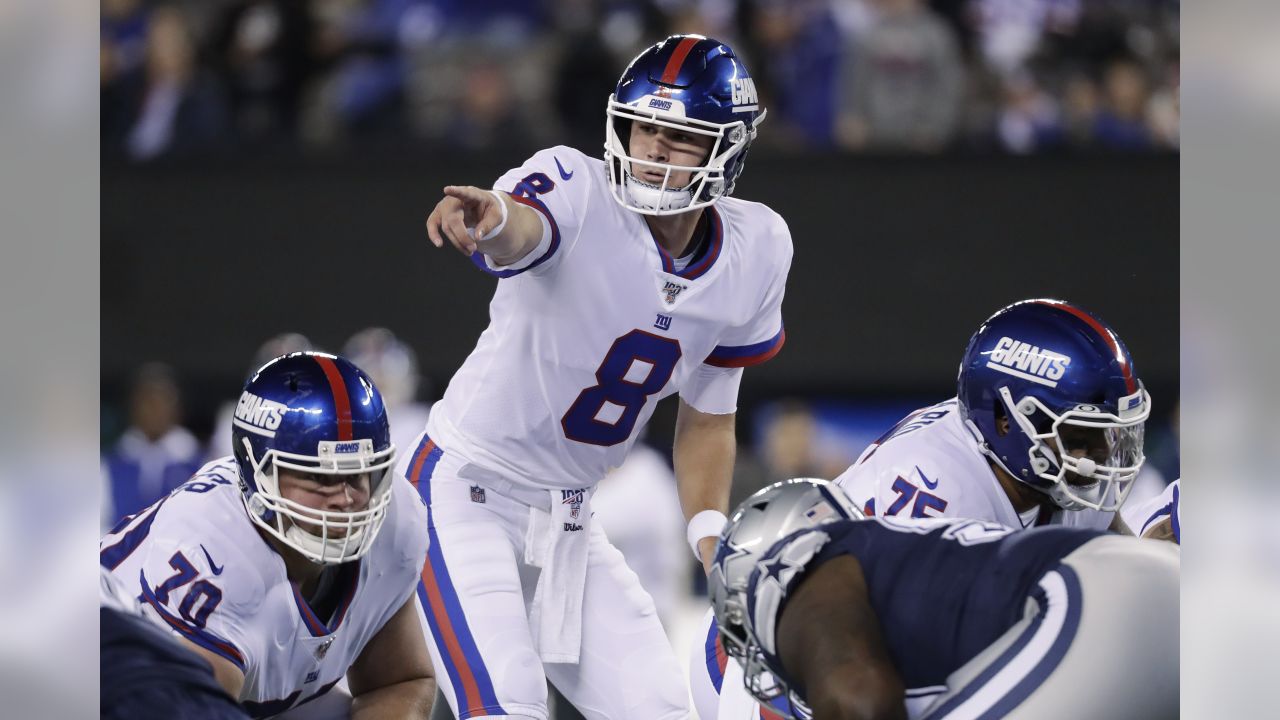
[931, 465]
[596, 325]
[200, 568]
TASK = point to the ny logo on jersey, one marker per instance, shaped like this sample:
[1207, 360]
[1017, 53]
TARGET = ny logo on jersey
[663, 322]
[672, 290]
[572, 498]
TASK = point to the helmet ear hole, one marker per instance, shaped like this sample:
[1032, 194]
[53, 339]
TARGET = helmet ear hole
[1002, 419]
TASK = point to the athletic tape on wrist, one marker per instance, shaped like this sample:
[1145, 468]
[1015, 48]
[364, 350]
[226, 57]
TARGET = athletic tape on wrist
[502, 225]
[708, 523]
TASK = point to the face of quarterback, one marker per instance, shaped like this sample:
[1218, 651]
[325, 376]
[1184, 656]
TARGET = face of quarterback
[326, 493]
[666, 145]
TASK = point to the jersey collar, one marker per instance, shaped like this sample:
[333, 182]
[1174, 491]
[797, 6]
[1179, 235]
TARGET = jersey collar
[707, 254]
[351, 577]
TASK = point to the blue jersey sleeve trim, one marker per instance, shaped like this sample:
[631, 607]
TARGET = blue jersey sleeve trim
[201, 637]
[735, 356]
[478, 258]
[111, 557]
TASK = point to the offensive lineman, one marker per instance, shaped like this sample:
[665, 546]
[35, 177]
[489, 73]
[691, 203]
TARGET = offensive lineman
[293, 563]
[623, 282]
[961, 618]
[1038, 376]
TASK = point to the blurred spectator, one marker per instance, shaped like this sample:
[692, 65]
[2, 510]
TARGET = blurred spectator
[368, 40]
[1079, 109]
[902, 82]
[265, 52]
[164, 101]
[123, 47]
[1121, 124]
[1163, 109]
[282, 344]
[880, 75]
[794, 53]
[393, 365]
[1010, 31]
[155, 454]
[486, 115]
[1028, 118]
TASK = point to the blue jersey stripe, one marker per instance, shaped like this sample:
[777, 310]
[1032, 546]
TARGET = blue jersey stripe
[111, 557]
[744, 355]
[713, 657]
[455, 618]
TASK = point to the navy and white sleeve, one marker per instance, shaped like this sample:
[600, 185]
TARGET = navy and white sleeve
[540, 183]
[763, 335]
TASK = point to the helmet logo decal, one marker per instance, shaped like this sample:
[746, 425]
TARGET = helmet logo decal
[258, 415]
[659, 103]
[745, 98]
[1026, 361]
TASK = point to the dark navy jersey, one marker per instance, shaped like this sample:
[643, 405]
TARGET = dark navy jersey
[943, 590]
[148, 674]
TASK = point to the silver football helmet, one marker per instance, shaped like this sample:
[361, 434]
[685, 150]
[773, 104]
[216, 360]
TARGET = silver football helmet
[761, 520]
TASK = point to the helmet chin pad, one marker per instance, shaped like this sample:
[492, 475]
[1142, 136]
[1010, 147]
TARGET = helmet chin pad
[657, 197]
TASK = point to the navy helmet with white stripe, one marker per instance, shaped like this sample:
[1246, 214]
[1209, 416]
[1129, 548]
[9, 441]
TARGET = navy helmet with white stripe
[693, 84]
[1051, 394]
[313, 414]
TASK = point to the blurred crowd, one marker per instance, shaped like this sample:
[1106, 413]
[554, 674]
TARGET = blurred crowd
[1016, 76]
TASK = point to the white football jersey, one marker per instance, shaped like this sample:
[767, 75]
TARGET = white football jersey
[200, 568]
[1140, 517]
[595, 326]
[931, 465]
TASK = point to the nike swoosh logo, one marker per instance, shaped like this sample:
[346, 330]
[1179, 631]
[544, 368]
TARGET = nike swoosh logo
[931, 485]
[215, 568]
[563, 175]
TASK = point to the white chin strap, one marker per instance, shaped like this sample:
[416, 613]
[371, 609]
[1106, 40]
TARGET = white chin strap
[652, 197]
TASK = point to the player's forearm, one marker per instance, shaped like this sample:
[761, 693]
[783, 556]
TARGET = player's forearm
[704, 453]
[518, 238]
[406, 699]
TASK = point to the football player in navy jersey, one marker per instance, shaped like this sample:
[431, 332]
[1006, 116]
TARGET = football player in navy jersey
[833, 615]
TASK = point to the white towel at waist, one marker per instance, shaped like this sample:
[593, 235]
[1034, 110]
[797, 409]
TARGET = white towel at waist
[558, 542]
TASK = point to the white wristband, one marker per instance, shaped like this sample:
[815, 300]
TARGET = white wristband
[708, 523]
[502, 225]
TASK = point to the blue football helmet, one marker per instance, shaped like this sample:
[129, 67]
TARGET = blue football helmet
[313, 413]
[1053, 398]
[761, 520]
[694, 84]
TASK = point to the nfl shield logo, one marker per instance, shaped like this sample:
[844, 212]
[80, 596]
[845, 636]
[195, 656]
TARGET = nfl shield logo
[572, 498]
[323, 649]
[672, 290]
[477, 494]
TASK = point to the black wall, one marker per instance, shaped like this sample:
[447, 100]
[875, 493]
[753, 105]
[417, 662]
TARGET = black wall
[897, 261]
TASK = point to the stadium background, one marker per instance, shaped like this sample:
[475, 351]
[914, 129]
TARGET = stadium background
[268, 165]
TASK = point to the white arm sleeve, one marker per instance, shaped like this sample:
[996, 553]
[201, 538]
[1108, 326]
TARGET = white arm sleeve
[713, 390]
